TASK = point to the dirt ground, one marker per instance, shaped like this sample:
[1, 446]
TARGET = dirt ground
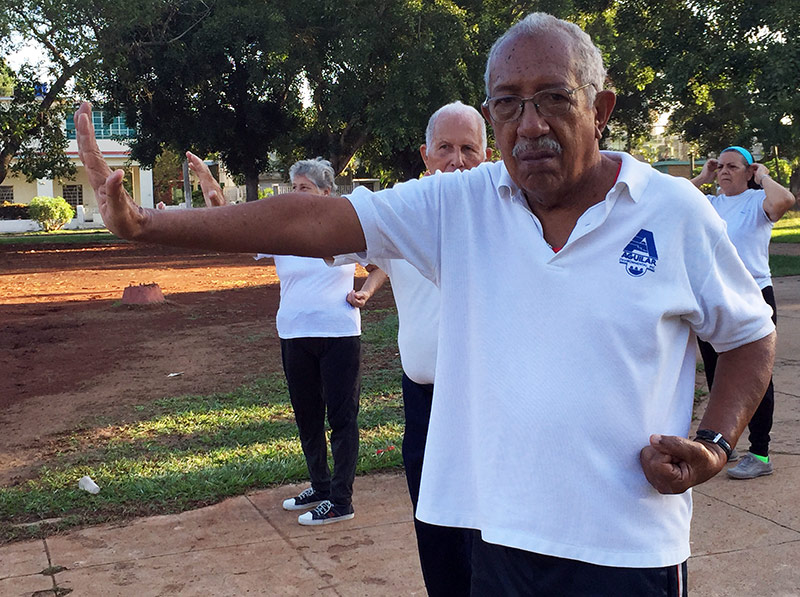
[71, 354]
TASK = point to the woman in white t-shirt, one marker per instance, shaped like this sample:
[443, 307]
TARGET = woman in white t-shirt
[319, 325]
[750, 202]
[320, 333]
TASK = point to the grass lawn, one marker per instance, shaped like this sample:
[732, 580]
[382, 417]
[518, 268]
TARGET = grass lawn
[59, 236]
[787, 230]
[188, 451]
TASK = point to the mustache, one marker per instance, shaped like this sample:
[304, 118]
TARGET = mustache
[535, 145]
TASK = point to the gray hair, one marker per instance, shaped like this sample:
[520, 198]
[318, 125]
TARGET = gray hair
[318, 171]
[455, 108]
[588, 59]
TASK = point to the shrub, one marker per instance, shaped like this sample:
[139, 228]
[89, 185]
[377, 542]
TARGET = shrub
[51, 213]
[13, 211]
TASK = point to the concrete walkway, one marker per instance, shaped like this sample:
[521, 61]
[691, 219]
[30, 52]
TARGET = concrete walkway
[745, 534]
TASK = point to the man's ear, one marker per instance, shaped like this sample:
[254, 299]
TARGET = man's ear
[604, 103]
[488, 154]
[423, 151]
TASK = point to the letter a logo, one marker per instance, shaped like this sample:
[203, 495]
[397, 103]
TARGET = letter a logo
[640, 255]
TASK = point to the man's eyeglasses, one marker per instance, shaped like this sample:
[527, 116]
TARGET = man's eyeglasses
[549, 102]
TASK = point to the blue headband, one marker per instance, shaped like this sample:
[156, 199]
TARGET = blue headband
[742, 150]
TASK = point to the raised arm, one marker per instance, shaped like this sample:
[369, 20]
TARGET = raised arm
[212, 192]
[779, 200]
[707, 174]
[674, 464]
[291, 224]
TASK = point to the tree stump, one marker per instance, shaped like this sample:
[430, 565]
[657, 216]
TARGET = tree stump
[142, 294]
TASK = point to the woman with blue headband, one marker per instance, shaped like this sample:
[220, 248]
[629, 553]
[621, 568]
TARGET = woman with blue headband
[750, 202]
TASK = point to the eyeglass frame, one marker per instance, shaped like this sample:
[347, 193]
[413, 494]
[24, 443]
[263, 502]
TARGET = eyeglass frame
[523, 100]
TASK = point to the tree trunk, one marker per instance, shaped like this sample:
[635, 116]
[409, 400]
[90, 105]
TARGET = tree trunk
[251, 186]
[6, 155]
[794, 182]
[4, 168]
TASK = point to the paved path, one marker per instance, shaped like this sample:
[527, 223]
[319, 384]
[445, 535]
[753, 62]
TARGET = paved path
[745, 534]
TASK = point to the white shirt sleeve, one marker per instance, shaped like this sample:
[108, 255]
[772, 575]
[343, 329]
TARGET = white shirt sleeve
[733, 310]
[403, 223]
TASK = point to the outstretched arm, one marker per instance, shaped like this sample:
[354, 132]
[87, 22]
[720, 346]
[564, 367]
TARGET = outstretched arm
[212, 192]
[779, 200]
[674, 464]
[291, 224]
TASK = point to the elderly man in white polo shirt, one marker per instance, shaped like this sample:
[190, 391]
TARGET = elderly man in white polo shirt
[573, 283]
[455, 139]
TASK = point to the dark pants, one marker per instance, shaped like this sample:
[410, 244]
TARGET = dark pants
[761, 423]
[499, 570]
[325, 373]
[444, 552]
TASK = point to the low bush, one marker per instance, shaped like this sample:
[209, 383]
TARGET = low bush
[13, 211]
[51, 213]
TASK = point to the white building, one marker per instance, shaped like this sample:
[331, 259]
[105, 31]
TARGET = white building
[77, 191]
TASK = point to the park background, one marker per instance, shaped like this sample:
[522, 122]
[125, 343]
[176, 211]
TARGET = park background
[253, 85]
[179, 405]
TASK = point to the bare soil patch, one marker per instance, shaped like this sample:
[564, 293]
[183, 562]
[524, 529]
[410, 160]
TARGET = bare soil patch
[71, 354]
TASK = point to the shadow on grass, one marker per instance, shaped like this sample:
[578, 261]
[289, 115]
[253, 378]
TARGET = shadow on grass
[189, 451]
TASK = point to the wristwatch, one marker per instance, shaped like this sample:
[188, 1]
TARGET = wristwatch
[714, 437]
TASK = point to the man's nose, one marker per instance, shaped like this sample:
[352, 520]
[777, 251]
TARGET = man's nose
[531, 124]
[458, 159]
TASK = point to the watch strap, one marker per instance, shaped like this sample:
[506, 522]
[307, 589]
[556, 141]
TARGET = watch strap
[714, 437]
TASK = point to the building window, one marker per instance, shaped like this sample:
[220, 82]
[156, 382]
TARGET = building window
[73, 194]
[104, 128]
[7, 193]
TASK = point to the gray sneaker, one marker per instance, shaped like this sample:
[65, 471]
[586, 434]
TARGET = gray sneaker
[734, 456]
[750, 467]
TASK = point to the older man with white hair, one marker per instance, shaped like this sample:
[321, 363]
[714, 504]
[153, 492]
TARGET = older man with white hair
[573, 283]
[455, 140]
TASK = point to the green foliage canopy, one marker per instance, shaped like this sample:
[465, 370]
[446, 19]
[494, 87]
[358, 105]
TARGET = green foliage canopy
[32, 138]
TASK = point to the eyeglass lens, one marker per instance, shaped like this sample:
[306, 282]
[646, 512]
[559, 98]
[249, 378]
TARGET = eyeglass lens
[550, 102]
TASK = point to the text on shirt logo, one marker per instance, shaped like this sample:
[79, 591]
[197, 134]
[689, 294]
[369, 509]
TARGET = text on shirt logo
[640, 255]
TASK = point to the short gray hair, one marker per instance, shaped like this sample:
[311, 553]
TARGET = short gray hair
[588, 59]
[455, 108]
[318, 171]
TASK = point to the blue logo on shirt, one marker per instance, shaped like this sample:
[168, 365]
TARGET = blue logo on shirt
[640, 254]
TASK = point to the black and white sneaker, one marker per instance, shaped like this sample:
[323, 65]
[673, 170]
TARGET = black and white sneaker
[326, 513]
[308, 498]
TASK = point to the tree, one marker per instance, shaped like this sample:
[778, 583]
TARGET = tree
[210, 77]
[227, 77]
[730, 68]
[373, 87]
[32, 137]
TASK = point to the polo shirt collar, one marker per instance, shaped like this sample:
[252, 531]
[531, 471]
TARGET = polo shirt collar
[633, 174]
[506, 187]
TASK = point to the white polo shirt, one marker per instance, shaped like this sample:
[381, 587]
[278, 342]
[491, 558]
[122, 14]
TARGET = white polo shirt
[314, 298]
[749, 229]
[417, 300]
[553, 369]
